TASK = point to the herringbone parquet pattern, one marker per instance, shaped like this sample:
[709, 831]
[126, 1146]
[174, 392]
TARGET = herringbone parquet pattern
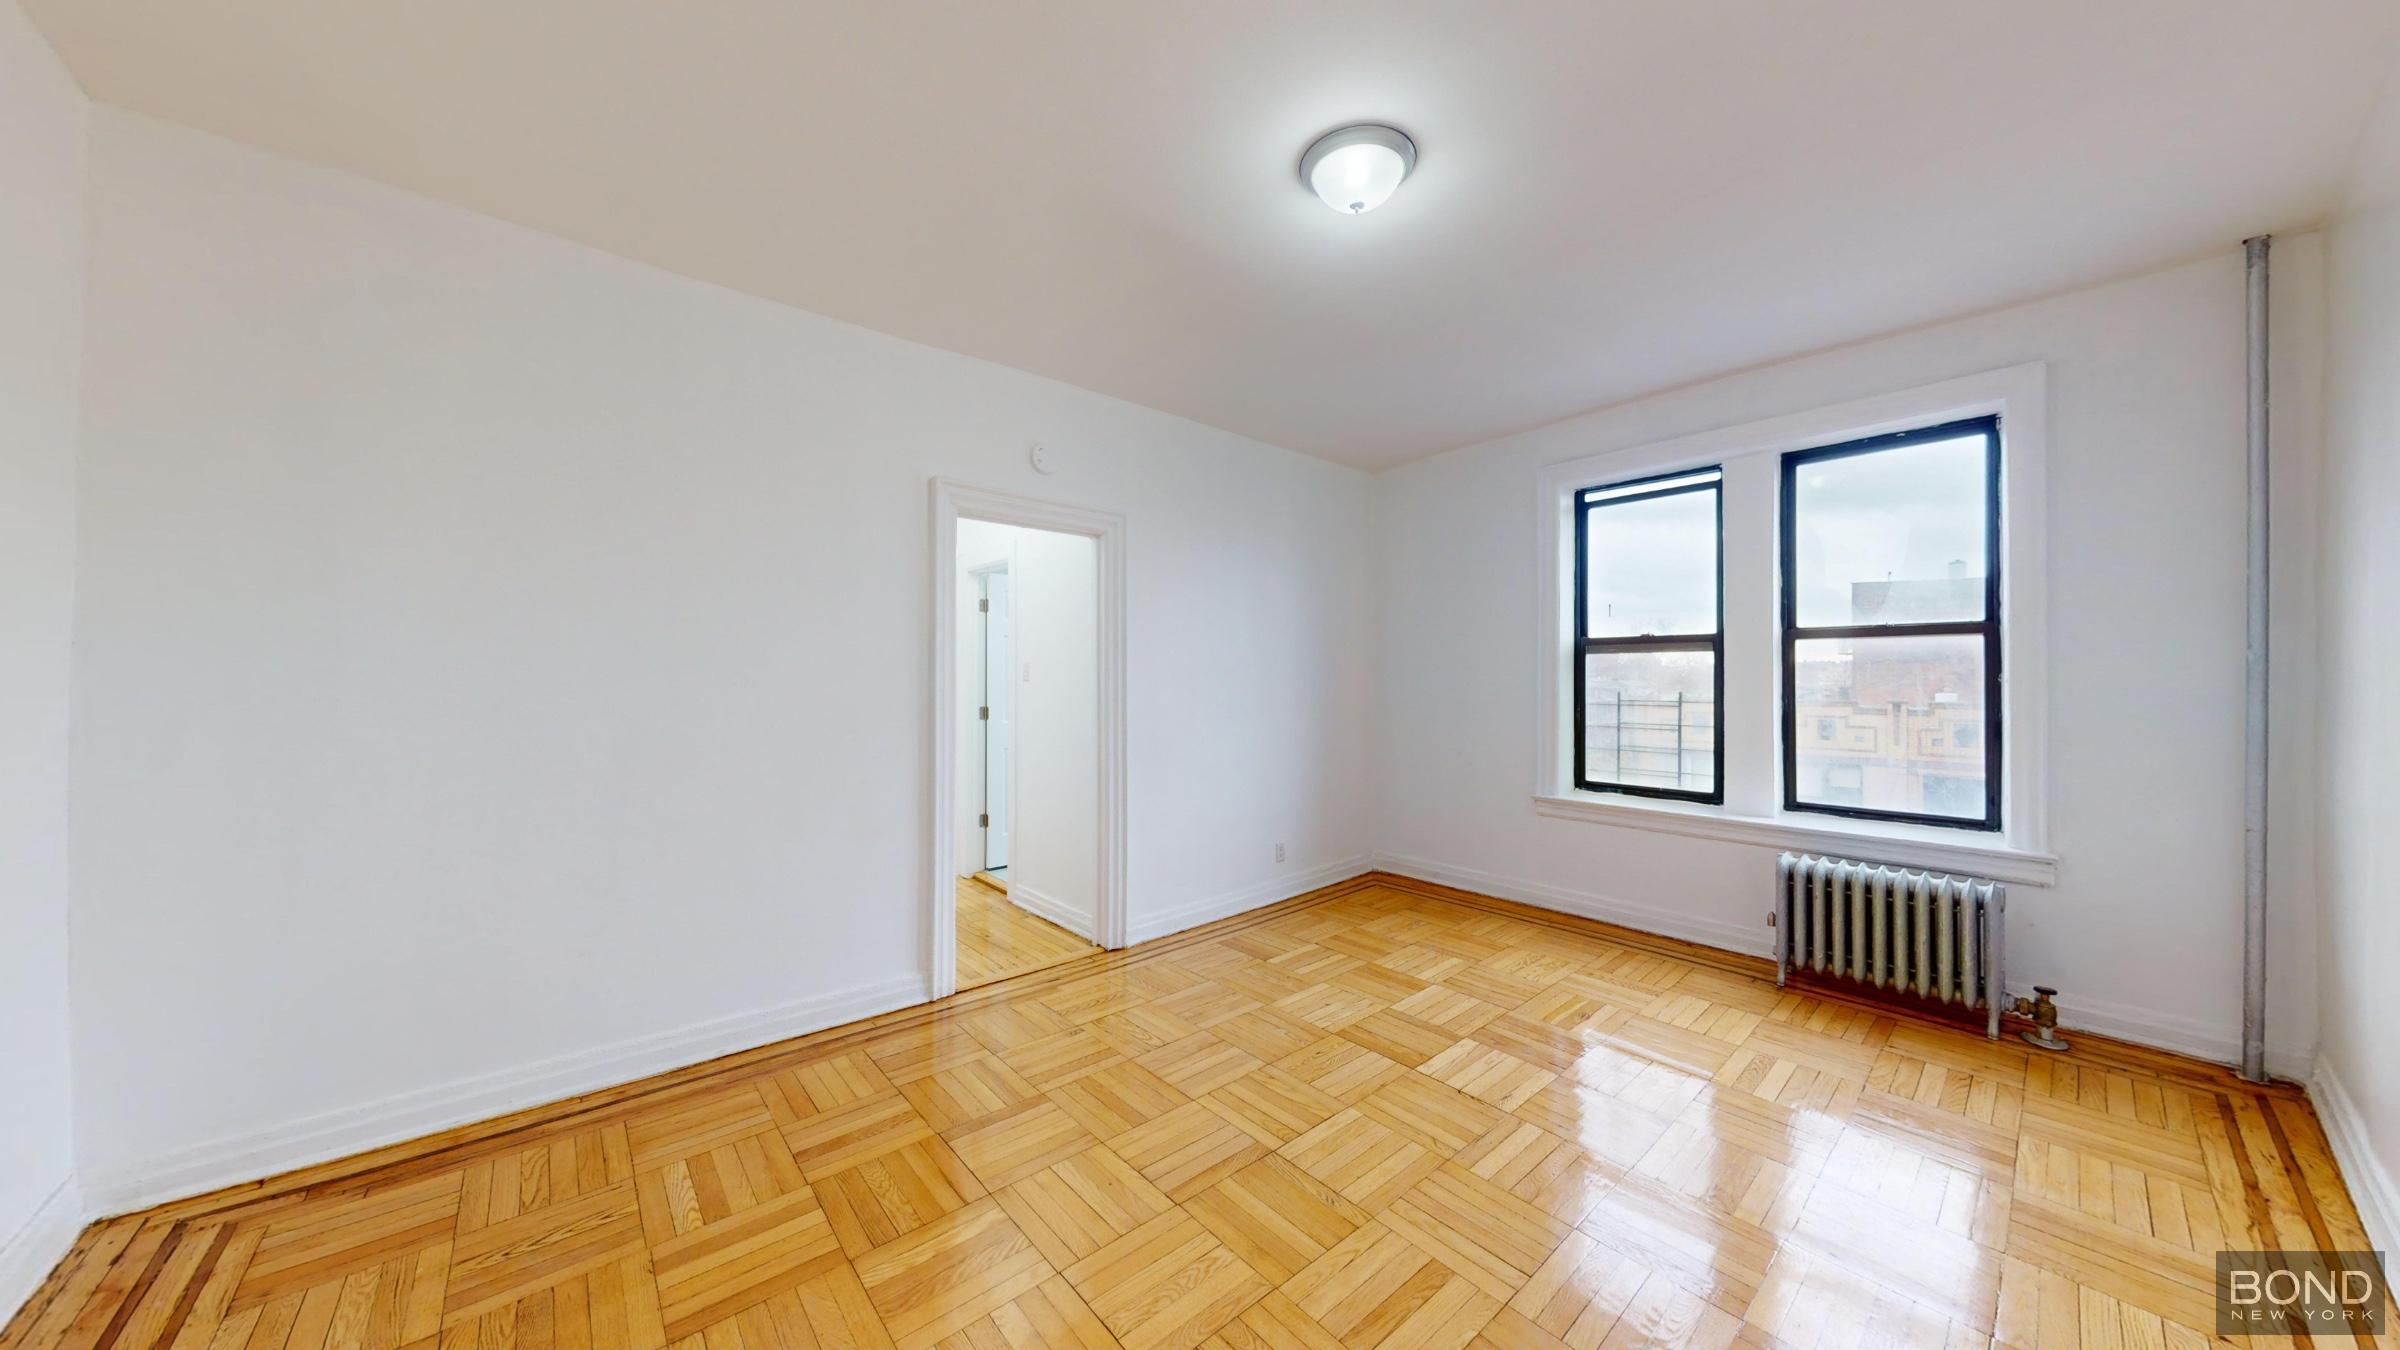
[1385, 1115]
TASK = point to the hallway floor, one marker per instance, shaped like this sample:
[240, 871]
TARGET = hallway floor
[997, 940]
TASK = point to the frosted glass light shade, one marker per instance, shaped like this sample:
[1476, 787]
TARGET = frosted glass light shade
[1356, 169]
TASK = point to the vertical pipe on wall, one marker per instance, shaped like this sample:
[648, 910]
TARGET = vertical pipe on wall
[2254, 719]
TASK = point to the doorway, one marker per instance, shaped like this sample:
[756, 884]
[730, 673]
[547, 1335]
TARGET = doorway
[1030, 823]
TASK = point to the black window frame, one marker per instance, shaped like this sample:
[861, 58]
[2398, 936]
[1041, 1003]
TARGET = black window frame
[1988, 627]
[1713, 643]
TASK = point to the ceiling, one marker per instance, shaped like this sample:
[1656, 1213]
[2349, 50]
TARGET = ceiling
[1613, 195]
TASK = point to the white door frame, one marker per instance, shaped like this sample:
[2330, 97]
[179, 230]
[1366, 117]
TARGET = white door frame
[951, 502]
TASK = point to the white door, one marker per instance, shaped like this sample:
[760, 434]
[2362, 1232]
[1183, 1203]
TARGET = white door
[996, 704]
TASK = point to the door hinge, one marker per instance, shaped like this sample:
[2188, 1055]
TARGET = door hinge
[983, 606]
[983, 714]
[984, 821]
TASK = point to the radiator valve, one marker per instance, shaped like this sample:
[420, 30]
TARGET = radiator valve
[2044, 1013]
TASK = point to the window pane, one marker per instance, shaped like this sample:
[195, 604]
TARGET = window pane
[1652, 566]
[1892, 536]
[1891, 724]
[1650, 719]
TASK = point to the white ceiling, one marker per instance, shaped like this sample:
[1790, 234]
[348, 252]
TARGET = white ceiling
[1613, 195]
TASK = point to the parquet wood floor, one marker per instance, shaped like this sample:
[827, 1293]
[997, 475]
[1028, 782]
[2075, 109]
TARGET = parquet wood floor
[1382, 1116]
[997, 940]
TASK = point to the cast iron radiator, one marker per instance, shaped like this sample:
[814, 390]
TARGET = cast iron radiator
[1921, 933]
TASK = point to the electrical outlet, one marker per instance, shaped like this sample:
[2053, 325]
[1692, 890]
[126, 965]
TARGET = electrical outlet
[1279, 853]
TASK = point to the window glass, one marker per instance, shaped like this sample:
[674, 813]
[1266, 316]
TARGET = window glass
[1890, 644]
[1652, 566]
[1647, 682]
[1906, 721]
[1650, 719]
[1892, 536]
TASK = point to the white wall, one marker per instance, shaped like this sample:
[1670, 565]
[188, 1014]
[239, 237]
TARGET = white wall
[2359, 570]
[2145, 650]
[503, 667]
[1054, 841]
[42, 116]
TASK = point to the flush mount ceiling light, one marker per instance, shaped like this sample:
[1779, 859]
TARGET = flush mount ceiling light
[1356, 169]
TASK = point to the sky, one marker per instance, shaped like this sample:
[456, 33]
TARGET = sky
[1892, 515]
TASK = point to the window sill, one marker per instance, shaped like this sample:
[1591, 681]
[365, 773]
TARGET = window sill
[1904, 845]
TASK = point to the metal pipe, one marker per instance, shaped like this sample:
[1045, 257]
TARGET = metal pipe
[2254, 712]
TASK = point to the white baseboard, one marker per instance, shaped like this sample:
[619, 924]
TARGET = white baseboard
[1145, 927]
[1049, 907]
[2183, 1036]
[2164, 1031]
[28, 1255]
[1586, 904]
[410, 1115]
[2371, 1183]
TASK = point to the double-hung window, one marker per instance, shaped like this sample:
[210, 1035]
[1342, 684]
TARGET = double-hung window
[1891, 627]
[1649, 669]
[1820, 631]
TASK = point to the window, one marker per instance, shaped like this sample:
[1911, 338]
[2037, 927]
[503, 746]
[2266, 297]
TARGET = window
[1649, 619]
[1877, 565]
[1891, 625]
